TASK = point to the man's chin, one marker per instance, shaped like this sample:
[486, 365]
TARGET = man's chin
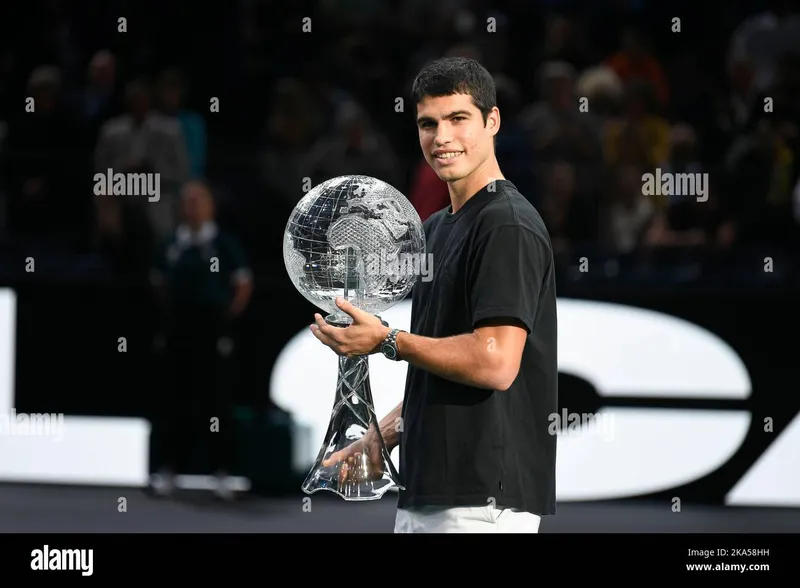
[448, 175]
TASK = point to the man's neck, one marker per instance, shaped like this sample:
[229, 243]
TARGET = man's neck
[465, 188]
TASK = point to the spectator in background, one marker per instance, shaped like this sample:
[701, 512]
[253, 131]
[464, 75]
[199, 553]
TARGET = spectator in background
[558, 130]
[327, 96]
[565, 41]
[763, 37]
[735, 104]
[763, 168]
[357, 147]
[629, 212]
[96, 102]
[144, 141]
[43, 173]
[203, 281]
[740, 98]
[683, 155]
[559, 210]
[635, 63]
[786, 92]
[691, 236]
[691, 224]
[604, 91]
[293, 122]
[641, 137]
[172, 94]
[606, 22]
[513, 147]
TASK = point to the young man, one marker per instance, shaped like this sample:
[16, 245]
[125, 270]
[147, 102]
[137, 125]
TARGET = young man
[475, 452]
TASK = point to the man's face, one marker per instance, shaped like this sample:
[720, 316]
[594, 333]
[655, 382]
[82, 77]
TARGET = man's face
[452, 135]
[197, 204]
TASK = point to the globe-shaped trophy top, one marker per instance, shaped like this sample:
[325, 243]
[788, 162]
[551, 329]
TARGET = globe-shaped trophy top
[356, 237]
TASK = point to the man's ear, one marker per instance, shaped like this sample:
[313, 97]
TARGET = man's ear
[494, 120]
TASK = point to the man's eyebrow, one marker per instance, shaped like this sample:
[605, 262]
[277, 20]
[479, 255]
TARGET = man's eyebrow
[455, 113]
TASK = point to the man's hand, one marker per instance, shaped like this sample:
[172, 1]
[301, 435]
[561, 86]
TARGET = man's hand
[362, 337]
[360, 461]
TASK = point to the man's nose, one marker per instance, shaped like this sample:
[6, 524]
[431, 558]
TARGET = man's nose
[443, 136]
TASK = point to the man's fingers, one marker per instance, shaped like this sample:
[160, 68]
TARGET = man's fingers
[329, 330]
[348, 457]
[345, 305]
[325, 334]
[322, 336]
[338, 456]
[346, 454]
[349, 308]
[333, 459]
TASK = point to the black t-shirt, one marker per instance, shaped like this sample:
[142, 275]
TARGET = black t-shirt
[464, 446]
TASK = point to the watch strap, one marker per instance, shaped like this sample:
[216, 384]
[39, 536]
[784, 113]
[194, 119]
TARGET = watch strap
[391, 340]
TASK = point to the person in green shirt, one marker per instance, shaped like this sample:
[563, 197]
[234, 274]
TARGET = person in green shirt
[203, 283]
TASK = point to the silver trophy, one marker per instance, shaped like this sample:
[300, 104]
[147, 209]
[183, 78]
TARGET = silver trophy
[359, 238]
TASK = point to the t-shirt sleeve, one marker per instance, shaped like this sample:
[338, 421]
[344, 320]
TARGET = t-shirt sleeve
[505, 274]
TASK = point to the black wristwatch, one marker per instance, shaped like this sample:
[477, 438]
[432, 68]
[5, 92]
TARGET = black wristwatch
[389, 345]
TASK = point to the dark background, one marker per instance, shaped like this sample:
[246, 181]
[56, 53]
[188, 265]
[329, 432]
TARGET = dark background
[287, 99]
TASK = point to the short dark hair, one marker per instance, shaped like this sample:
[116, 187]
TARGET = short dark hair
[456, 75]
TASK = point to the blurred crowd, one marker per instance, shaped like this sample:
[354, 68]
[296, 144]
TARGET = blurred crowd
[310, 99]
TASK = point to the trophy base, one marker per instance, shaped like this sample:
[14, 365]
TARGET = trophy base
[353, 473]
[352, 492]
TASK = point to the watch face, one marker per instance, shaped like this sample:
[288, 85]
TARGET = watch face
[388, 351]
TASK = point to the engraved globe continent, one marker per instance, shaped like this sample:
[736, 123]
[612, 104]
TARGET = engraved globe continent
[356, 237]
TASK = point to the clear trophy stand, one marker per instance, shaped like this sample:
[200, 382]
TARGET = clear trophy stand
[357, 237]
[354, 472]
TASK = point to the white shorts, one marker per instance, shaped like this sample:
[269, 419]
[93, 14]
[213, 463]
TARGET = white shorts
[465, 519]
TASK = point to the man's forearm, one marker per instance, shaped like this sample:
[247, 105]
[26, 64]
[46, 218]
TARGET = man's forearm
[391, 427]
[461, 358]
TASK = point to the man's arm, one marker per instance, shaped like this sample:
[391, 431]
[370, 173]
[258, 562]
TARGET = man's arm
[505, 271]
[488, 358]
[241, 278]
[390, 427]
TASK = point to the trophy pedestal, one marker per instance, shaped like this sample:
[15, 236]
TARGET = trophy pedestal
[356, 472]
